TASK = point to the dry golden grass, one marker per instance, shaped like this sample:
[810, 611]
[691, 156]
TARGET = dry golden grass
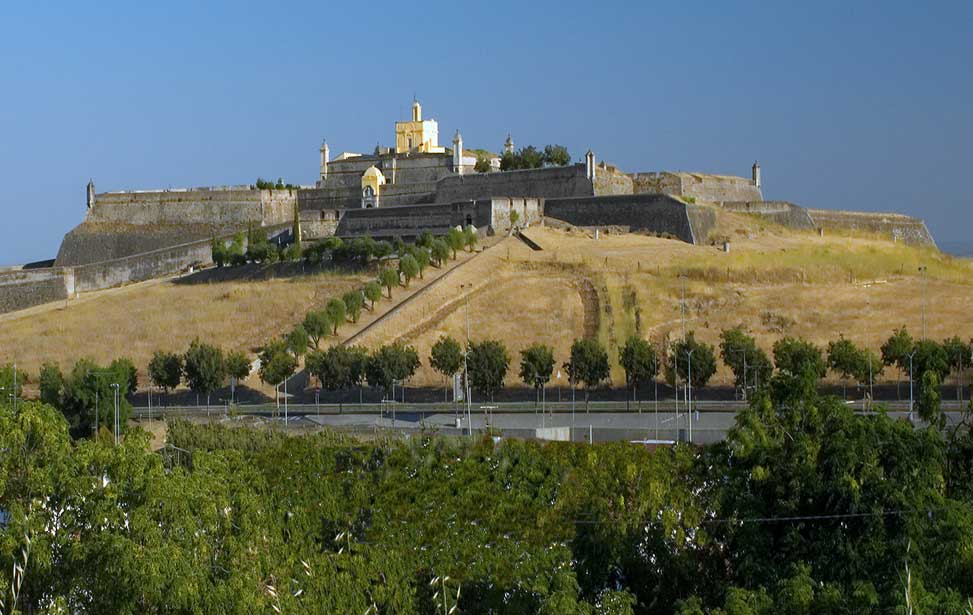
[137, 320]
[774, 282]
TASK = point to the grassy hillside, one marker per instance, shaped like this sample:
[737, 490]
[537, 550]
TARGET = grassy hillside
[774, 282]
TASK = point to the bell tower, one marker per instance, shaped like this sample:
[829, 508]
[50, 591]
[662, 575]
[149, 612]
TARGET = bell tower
[325, 154]
[755, 170]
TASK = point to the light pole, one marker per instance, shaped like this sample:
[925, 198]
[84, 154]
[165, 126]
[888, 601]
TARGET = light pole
[682, 304]
[466, 370]
[114, 385]
[689, 400]
[922, 272]
[911, 380]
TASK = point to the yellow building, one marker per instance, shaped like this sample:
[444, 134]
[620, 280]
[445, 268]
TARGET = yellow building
[419, 135]
[372, 181]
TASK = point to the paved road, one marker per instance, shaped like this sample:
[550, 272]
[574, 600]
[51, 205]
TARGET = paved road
[707, 425]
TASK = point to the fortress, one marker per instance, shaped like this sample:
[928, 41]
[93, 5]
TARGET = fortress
[400, 191]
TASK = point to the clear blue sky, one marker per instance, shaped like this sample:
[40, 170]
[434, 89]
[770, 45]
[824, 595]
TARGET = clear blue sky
[846, 104]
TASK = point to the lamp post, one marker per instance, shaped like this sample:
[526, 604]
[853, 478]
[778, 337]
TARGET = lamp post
[114, 385]
[922, 273]
[689, 400]
[682, 304]
[911, 380]
[466, 370]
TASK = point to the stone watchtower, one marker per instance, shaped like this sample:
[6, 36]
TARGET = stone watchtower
[91, 194]
[589, 166]
[324, 159]
[458, 153]
[508, 145]
[756, 174]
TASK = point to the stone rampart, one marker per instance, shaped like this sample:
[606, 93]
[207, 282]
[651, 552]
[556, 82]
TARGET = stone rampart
[219, 207]
[898, 227]
[783, 213]
[653, 213]
[317, 224]
[699, 186]
[24, 288]
[551, 182]
[609, 180]
[410, 221]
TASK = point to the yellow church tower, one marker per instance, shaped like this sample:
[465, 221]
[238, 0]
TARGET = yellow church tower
[418, 135]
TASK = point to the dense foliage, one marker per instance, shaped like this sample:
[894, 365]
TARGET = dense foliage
[805, 508]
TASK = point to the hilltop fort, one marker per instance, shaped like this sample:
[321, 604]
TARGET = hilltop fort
[403, 190]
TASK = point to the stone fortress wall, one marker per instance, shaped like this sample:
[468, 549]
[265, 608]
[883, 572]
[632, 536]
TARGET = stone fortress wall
[700, 186]
[783, 213]
[122, 224]
[24, 288]
[659, 214]
[897, 226]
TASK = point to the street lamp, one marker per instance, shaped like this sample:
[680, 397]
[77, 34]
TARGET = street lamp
[922, 273]
[114, 385]
[911, 381]
[689, 400]
[466, 370]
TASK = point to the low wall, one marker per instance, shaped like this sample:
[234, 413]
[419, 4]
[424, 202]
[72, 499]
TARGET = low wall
[654, 213]
[899, 227]
[553, 182]
[95, 242]
[783, 213]
[411, 220]
[609, 180]
[26, 288]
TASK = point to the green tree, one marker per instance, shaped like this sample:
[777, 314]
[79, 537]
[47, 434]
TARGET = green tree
[487, 363]
[848, 360]
[51, 384]
[799, 358]
[536, 366]
[390, 364]
[408, 268]
[423, 259]
[958, 354]
[317, 324]
[557, 155]
[382, 249]
[296, 232]
[446, 357]
[373, 292]
[928, 404]
[297, 341]
[696, 357]
[470, 238]
[165, 370]
[336, 311]
[11, 382]
[640, 360]
[588, 365]
[235, 252]
[749, 364]
[354, 301]
[482, 164]
[237, 368]
[218, 252]
[455, 239]
[388, 278]
[204, 367]
[88, 397]
[440, 251]
[126, 369]
[259, 249]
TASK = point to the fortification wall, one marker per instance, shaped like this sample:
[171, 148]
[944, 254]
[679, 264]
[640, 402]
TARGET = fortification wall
[411, 220]
[552, 182]
[896, 226]
[700, 186]
[654, 213]
[609, 180]
[218, 207]
[402, 169]
[317, 224]
[146, 266]
[93, 242]
[656, 183]
[24, 288]
[779, 212]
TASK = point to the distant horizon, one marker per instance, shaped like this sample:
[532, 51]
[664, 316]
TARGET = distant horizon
[850, 107]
